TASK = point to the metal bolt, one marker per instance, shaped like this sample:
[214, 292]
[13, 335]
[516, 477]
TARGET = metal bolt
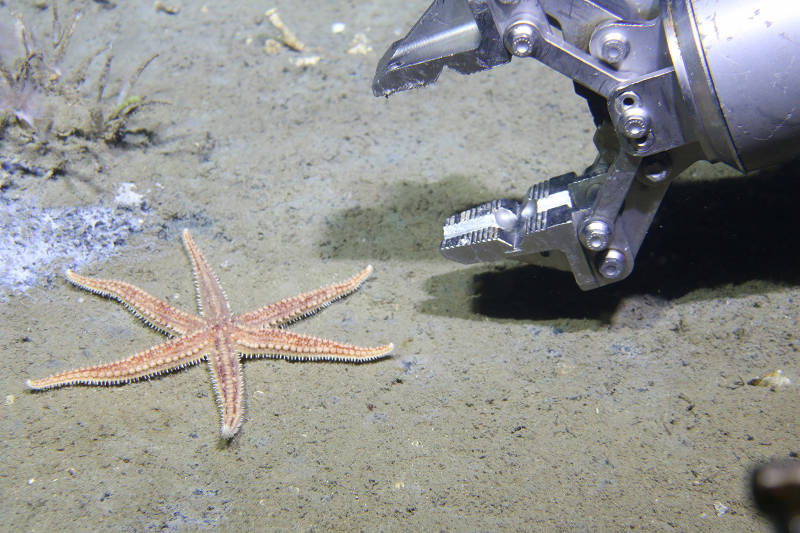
[634, 123]
[615, 48]
[595, 235]
[613, 264]
[505, 218]
[522, 39]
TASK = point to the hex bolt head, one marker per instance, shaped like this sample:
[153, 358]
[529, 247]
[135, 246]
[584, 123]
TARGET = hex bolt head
[595, 235]
[615, 48]
[522, 39]
[613, 264]
[634, 123]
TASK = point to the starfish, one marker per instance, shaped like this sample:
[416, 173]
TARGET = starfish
[216, 335]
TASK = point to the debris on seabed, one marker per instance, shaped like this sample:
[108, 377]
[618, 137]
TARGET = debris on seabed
[308, 61]
[721, 509]
[161, 7]
[128, 197]
[774, 380]
[338, 27]
[359, 45]
[287, 36]
[272, 47]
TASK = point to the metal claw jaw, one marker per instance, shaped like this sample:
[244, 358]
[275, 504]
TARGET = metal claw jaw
[541, 230]
[530, 231]
[450, 33]
[668, 83]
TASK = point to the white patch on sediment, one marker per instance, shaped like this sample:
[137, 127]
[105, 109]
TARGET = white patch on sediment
[127, 197]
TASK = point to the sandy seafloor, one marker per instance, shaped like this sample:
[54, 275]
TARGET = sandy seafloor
[512, 401]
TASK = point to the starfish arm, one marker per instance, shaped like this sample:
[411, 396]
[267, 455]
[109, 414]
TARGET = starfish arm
[171, 355]
[284, 344]
[296, 307]
[210, 296]
[226, 375]
[153, 311]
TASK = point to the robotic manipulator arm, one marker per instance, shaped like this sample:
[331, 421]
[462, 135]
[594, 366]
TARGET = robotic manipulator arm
[668, 83]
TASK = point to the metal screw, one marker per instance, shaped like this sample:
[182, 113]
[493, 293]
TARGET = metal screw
[634, 123]
[505, 218]
[615, 48]
[613, 264]
[522, 39]
[595, 235]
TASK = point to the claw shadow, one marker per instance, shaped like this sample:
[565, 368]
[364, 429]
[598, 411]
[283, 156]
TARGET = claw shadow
[711, 237]
[408, 227]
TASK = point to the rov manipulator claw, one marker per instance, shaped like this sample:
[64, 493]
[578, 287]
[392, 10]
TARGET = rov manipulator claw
[668, 83]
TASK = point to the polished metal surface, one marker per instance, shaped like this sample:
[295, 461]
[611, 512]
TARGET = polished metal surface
[752, 48]
[450, 33]
[668, 83]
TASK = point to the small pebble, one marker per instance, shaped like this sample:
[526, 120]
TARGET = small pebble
[774, 380]
[308, 61]
[359, 45]
[721, 509]
[160, 6]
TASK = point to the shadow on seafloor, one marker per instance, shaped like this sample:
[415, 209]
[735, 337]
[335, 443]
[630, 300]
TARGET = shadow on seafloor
[708, 234]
